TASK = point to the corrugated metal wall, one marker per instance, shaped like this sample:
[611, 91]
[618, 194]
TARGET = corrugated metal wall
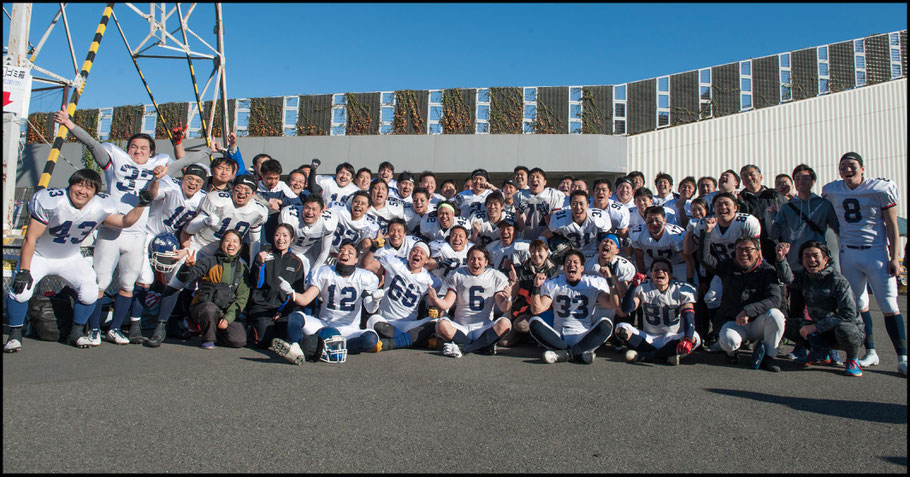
[871, 121]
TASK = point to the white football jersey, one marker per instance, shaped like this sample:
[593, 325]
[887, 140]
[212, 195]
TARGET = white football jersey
[518, 252]
[125, 179]
[474, 301]
[535, 208]
[340, 297]
[619, 215]
[403, 289]
[620, 267]
[331, 192]
[724, 241]
[393, 208]
[431, 230]
[350, 229]
[468, 202]
[584, 236]
[412, 220]
[248, 218]
[67, 226]
[305, 236]
[489, 231]
[662, 310]
[573, 305]
[859, 210]
[668, 245]
[171, 209]
[447, 258]
[403, 251]
[635, 217]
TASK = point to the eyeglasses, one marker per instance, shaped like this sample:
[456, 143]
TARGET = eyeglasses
[746, 249]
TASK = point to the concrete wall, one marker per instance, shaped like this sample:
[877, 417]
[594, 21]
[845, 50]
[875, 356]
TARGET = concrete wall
[447, 155]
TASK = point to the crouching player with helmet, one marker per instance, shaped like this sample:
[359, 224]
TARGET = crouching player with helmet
[576, 332]
[395, 316]
[474, 289]
[669, 317]
[61, 220]
[833, 320]
[222, 294]
[341, 289]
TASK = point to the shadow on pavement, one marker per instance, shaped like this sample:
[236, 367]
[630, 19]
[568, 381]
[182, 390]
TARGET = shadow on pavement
[861, 410]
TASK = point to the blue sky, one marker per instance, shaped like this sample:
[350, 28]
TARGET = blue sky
[285, 49]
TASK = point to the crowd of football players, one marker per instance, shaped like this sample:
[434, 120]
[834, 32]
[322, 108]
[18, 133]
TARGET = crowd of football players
[318, 266]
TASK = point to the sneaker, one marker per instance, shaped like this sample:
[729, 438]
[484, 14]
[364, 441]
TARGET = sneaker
[733, 358]
[116, 337]
[95, 337]
[557, 356]
[208, 345]
[632, 356]
[80, 342]
[799, 353]
[902, 365]
[853, 368]
[834, 357]
[12, 345]
[758, 355]
[452, 350]
[769, 364]
[587, 357]
[135, 333]
[870, 359]
[289, 351]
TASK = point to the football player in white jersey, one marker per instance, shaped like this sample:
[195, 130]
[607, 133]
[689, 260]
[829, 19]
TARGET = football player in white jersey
[427, 180]
[404, 189]
[436, 225]
[870, 249]
[661, 239]
[663, 185]
[397, 244]
[406, 282]
[354, 225]
[576, 332]
[668, 332]
[219, 212]
[535, 204]
[619, 215]
[340, 187]
[314, 230]
[625, 193]
[61, 219]
[471, 201]
[730, 226]
[608, 257]
[508, 251]
[450, 254]
[420, 207]
[473, 289]
[174, 204]
[386, 172]
[341, 289]
[643, 199]
[582, 227]
[483, 222]
[126, 173]
[382, 207]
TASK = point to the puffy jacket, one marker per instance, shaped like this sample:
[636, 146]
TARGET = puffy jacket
[828, 296]
[216, 271]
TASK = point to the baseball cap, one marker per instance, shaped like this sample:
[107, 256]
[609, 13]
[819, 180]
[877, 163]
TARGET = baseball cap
[853, 155]
[195, 170]
[246, 180]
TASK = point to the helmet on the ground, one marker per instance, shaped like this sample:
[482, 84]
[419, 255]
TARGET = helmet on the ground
[163, 255]
[333, 348]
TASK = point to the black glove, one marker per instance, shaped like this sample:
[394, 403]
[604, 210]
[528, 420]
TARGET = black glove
[145, 198]
[22, 281]
[315, 163]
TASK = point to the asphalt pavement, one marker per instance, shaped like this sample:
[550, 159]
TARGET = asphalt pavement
[180, 408]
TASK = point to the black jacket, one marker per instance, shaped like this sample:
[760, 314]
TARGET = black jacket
[266, 294]
[754, 291]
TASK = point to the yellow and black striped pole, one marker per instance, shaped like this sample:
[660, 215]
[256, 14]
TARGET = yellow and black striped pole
[71, 107]
[205, 131]
[144, 82]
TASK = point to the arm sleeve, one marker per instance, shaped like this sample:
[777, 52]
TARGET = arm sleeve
[202, 155]
[324, 253]
[628, 301]
[102, 158]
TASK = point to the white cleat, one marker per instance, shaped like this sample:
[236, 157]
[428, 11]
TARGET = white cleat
[289, 351]
[452, 350]
[870, 359]
[14, 345]
[116, 337]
